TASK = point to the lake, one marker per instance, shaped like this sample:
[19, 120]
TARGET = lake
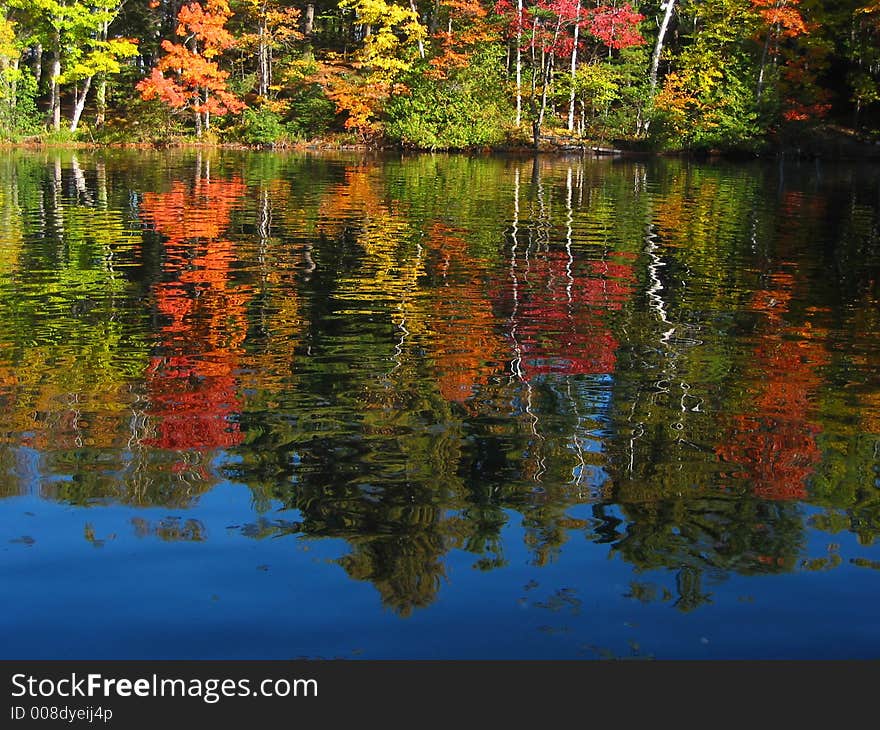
[263, 405]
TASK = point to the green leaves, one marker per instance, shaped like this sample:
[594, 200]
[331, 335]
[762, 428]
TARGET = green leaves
[466, 109]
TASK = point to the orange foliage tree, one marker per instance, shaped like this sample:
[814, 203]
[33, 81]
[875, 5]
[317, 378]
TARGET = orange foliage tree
[466, 30]
[188, 77]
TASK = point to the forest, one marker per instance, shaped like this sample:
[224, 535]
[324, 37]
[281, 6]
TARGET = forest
[677, 75]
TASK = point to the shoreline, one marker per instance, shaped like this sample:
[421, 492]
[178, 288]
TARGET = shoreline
[831, 143]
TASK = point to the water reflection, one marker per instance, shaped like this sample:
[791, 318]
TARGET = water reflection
[666, 359]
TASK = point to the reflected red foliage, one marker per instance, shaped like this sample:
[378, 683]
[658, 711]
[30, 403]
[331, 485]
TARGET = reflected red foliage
[558, 314]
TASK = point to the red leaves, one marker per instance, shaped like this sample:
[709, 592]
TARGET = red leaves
[559, 317]
[192, 387]
[798, 112]
[542, 23]
[616, 27]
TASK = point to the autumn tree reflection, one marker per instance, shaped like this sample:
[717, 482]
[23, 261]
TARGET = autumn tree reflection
[448, 353]
[773, 444]
[191, 381]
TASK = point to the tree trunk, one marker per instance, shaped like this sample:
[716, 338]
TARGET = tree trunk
[536, 127]
[55, 87]
[309, 24]
[263, 59]
[38, 63]
[412, 6]
[101, 100]
[574, 59]
[13, 85]
[80, 104]
[101, 90]
[548, 71]
[760, 88]
[519, 7]
[658, 47]
[547, 62]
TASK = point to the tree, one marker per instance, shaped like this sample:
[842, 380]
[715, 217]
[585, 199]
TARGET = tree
[668, 8]
[98, 56]
[188, 77]
[360, 89]
[76, 31]
[276, 30]
[781, 19]
[13, 117]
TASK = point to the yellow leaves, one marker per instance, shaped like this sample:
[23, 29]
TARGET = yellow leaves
[391, 269]
[675, 100]
[388, 52]
[8, 49]
[389, 48]
[275, 26]
[103, 58]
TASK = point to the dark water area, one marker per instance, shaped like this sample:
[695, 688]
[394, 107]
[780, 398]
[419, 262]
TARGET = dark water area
[279, 406]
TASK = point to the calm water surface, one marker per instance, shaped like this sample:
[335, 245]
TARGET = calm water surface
[260, 405]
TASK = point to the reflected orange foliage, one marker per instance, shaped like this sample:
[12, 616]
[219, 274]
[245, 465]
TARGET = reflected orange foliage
[355, 196]
[465, 345]
[192, 386]
[775, 445]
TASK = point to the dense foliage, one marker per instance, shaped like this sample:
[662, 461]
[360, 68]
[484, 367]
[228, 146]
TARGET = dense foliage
[693, 74]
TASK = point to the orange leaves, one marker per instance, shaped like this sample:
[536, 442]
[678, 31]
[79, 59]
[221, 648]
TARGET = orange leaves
[470, 9]
[782, 15]
[190, 77]
[798, 112]
[360, 101]
[207, 25]
[466, 30]
[186, 77]
[156, 86]
[465, 345]
[201, 213]
[676, 102]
